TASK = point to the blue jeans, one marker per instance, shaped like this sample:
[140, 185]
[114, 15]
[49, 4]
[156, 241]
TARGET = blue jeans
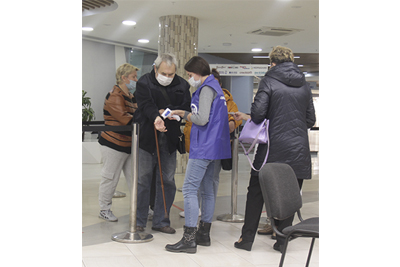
[199, 172]
[147, 163]
[217, 170]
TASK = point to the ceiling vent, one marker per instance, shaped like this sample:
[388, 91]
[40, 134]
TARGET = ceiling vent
[274, 31]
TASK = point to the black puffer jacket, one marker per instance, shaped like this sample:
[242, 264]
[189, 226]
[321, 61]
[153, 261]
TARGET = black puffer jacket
[285, 99]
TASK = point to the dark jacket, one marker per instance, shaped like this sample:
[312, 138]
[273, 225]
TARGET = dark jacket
[150, 100]
[285, 99]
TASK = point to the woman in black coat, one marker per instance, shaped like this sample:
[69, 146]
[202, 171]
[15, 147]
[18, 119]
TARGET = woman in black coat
[285, 99]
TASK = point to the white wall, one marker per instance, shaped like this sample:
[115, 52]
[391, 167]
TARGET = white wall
[120, 57]
[98, 73]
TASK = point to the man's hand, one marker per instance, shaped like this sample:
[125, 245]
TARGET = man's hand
[159, 124]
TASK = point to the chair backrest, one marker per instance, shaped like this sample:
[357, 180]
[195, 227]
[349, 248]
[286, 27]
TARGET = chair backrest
[280, 190]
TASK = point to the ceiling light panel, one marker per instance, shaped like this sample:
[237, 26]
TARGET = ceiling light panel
[129, 22]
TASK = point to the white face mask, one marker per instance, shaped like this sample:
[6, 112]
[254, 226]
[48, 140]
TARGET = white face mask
[195, 84]
[164, 80]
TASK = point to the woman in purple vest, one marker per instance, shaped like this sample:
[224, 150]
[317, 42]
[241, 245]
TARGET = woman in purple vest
[209, 141]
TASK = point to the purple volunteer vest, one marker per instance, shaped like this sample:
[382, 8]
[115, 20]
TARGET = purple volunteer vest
[211, 141]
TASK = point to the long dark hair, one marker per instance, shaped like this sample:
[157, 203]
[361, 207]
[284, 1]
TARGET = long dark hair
[198, 65]
[216, 76]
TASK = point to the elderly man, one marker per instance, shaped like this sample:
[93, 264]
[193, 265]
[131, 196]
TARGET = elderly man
[155, 91]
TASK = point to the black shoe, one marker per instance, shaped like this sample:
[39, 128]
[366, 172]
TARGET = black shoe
[187, 243]
[246, 245]
[203, 234]
[278, 247]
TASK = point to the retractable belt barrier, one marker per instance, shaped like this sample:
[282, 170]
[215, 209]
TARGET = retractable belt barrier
[130, 235]
[233, 216]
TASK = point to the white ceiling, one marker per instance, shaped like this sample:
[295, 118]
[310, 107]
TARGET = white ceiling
[221, 21]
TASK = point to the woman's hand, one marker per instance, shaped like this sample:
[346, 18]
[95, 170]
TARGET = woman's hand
[241, 116]
[178, 112]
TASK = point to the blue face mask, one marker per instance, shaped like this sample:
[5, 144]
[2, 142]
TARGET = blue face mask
[131, 86]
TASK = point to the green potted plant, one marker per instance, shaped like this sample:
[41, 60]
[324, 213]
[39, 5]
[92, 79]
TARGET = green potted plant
[87, 111]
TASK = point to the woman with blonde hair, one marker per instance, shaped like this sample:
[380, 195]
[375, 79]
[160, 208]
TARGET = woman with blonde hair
[119, 108]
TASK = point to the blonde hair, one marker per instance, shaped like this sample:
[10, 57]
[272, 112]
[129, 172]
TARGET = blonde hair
[280, 54]
[124, 70]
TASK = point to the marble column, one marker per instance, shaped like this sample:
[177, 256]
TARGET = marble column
[178, 35]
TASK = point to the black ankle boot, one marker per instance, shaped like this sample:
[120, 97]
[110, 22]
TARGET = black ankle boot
[187, 243]
[278, 247]
[203, 234]
[241, 244]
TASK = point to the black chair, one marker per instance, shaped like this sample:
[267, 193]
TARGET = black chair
[282, 199]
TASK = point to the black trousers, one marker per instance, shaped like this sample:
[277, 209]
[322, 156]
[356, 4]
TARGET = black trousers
[254, 206]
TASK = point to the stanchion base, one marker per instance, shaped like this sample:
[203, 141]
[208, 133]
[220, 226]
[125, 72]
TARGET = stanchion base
[129, 237]
[231, 218]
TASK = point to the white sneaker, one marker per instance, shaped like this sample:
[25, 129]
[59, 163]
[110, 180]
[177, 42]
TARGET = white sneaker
[108, 216]
[182, 213]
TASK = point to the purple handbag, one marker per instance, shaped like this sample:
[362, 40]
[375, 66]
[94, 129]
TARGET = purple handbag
[254, 134]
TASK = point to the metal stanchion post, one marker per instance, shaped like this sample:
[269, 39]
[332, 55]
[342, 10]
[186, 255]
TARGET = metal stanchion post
[131, 235]
[233, 216]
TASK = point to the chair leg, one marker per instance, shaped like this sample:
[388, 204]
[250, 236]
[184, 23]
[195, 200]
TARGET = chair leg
[310, 252]
[284, 251]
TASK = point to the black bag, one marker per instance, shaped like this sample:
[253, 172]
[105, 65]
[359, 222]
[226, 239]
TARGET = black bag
[227, 163]
[181, 144]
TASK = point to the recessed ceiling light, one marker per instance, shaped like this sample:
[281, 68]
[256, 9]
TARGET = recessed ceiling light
[260, 56]
[87, 29]
[143, 41]
[256, 49]
[300, 66]
[129, 22]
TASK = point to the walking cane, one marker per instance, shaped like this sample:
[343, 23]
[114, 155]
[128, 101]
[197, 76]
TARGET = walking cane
[161, 178]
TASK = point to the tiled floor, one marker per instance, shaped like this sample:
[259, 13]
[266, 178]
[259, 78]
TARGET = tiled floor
[99, 250]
